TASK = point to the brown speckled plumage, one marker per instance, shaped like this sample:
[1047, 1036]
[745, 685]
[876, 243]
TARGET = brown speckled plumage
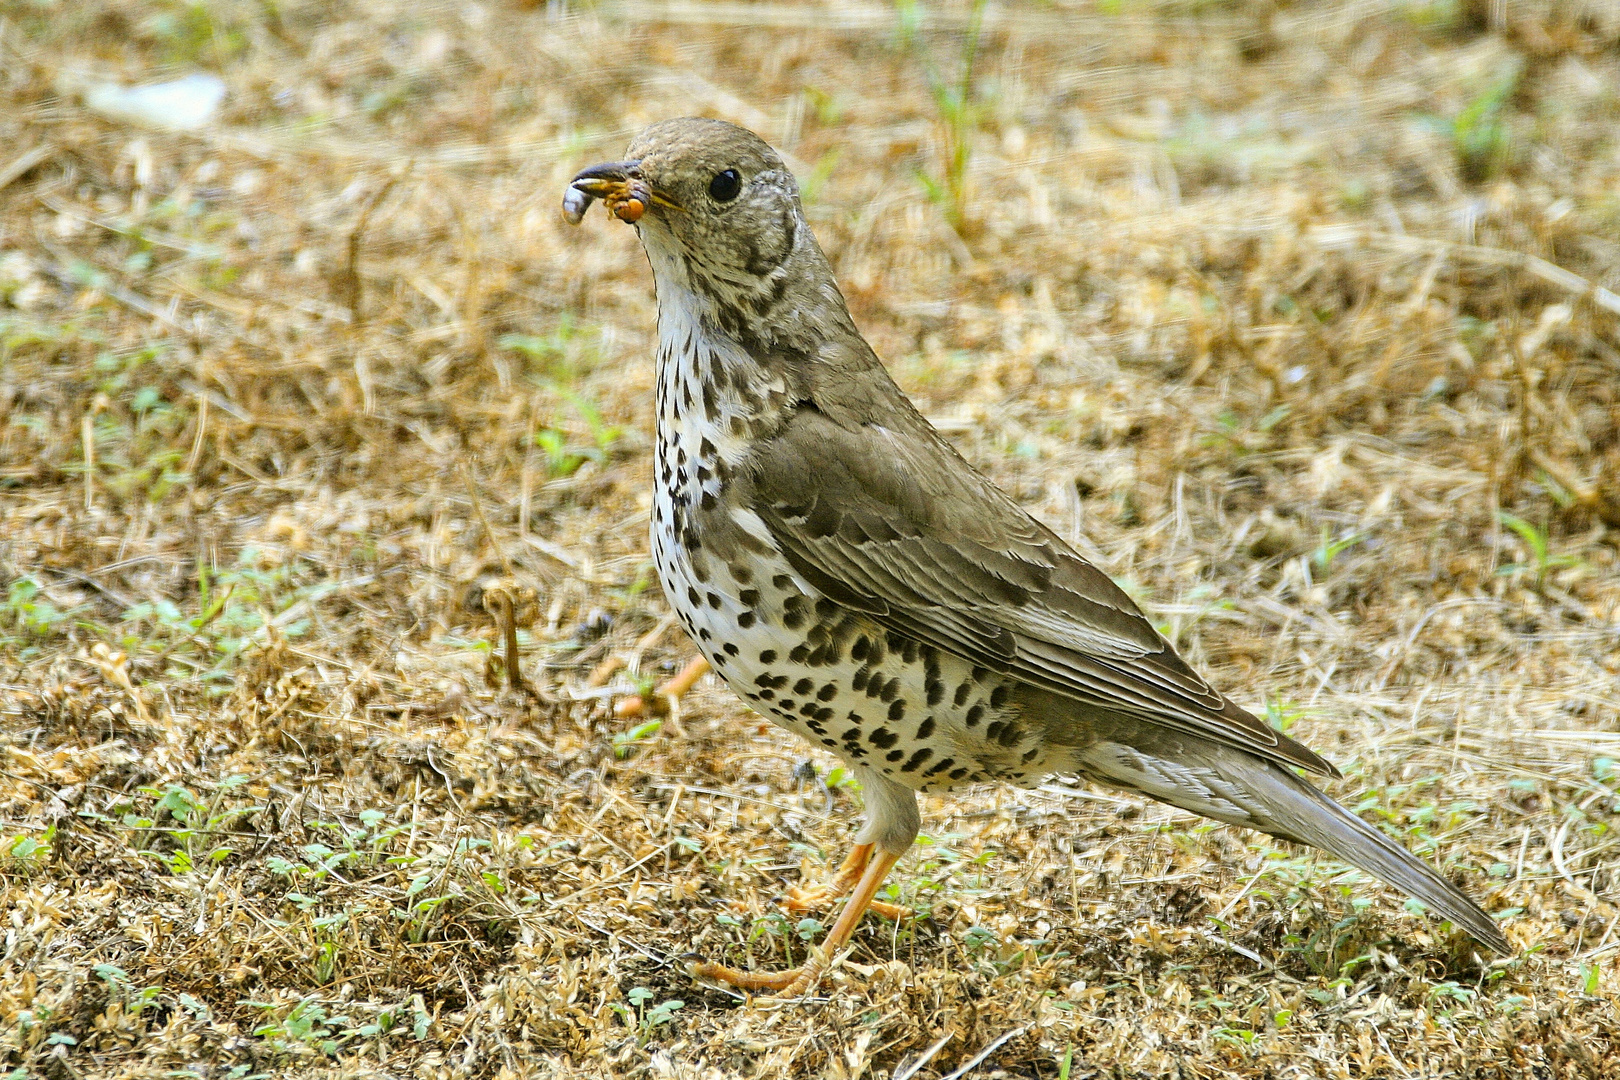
[856, 580]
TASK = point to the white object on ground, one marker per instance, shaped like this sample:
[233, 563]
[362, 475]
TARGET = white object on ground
[183, 104]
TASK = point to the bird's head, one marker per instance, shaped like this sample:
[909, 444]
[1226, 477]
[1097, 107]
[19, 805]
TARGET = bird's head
[718, 212]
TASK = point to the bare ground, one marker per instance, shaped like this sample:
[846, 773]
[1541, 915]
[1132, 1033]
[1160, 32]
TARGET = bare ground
[1292, 316]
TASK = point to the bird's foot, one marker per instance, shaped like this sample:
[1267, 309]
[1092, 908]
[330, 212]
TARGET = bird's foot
[820, 897]
[665, 700]
[800, 900]
[792, 983]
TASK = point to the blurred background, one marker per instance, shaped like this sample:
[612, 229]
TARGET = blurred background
[1296, 318]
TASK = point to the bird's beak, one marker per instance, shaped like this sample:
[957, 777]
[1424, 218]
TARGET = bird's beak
[620, 186]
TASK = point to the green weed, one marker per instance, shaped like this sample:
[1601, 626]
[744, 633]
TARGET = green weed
[29, 853]
[196, 830]
[639, 1016]
[1328, 548]
[959, 104]
[1479, 135]
[1542, 562]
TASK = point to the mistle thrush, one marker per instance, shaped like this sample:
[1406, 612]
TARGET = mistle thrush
[851, 576]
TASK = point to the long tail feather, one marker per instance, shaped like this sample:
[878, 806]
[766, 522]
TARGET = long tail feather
[1231, 786]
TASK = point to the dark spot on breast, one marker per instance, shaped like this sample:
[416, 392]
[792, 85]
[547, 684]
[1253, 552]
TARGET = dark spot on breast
[857, 651]
[851, 735]
[706, 449]
[803, 686]
[829, 742]
[998, 696]
[926, 728]
[692, 596]
[797, 654]
[936, 691]
[714, 600]
[1030, 754]
[939, 766]
[767, 656]
[897, 711]
[909, 651]
[730, 649]
[825, 608]
[782, 581]
[742, 575]
[962, 692]
[883, 738]
[748, 597]
[890, 689]
[980, 674]
[708, 502]
[916, 760]
[859, 679]
[894, 755]
[957, 774]
[745, 619]
[827, 692]
[974, 715]
[703, 633]
[775, 682]
[767, 695]
[1009, 735]
[787, 704]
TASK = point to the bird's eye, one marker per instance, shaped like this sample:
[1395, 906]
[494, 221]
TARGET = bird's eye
[725, 186]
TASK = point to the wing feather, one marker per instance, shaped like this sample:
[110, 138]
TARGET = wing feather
[896, 524]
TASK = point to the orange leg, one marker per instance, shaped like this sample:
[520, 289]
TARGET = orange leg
[679, 684]
[849, 875]
[801, 980]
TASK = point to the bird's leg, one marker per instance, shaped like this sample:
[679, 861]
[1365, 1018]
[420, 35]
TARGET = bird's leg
[665, 700]
[849, 874]
[818, 896]
[803, 979]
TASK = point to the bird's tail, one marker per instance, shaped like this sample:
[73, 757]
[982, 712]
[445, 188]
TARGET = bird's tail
[1231, 786]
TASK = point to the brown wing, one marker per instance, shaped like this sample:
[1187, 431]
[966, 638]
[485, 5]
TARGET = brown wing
[895, 523]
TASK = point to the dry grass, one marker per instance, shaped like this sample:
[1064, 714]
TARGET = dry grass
[1259, 303]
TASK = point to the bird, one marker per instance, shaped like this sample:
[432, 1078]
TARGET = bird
[850, 575]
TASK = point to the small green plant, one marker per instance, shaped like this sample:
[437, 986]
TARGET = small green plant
[28, 853]
[1535, 541]
[625, 742]
[1479, 136]
[563, 456]
[305, 1026]
[1329, 549]
[120, 989]
[29, 619]
[959, 104]
[193, 827]
[1240, 438]
[646, 1019]
[1282, 714]
[559, 357]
